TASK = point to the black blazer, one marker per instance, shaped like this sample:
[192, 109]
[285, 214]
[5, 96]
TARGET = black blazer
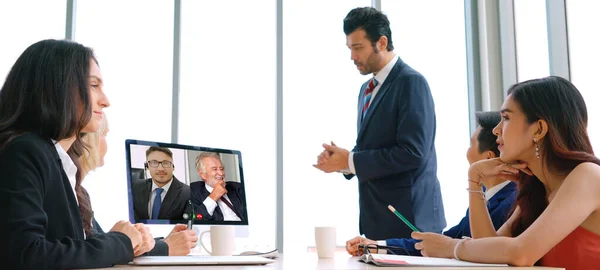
[160, 247]
[40, 217]
[395, 158]
[174, 205]
[235, 193]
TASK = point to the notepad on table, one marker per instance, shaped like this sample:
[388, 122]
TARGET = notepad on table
[401, 260]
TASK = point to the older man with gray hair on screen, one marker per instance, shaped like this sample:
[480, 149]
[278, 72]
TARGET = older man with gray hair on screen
[214, 197]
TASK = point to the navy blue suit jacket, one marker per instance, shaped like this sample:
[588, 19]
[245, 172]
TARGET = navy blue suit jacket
[395, 158]
[498, 206]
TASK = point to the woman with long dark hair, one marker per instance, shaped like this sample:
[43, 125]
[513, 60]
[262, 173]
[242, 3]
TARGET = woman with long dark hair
[52, 94]
[544, 146]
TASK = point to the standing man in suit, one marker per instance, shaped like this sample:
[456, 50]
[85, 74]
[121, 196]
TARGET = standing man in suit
[394, 157]
[162, 196]
[213, 197]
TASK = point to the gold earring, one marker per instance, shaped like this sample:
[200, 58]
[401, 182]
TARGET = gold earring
[537, 148]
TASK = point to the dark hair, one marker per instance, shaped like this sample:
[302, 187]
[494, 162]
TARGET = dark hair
[373, 21]
[566, 144]
[46, 93]
[486, 138]
[159, 149]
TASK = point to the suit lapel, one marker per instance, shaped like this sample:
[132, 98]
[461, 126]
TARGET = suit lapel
[145, 199]
[378, 97]
[234, 199]
[71, 198]
[494, 202]
[170, 197]
[203, 191]
[359, 107]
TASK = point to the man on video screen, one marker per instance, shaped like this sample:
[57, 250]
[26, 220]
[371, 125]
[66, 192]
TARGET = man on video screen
[162, 196]
[213, 197]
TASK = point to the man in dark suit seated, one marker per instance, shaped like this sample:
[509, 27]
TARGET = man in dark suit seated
[213, 197]
[162, 196]
[500, 194]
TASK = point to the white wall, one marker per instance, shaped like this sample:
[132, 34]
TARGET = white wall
[227, 94]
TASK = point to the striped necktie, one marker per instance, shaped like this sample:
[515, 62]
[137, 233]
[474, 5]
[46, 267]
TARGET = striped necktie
[368, 93]
[231, 207]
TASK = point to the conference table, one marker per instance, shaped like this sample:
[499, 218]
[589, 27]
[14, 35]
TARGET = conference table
[309, 260]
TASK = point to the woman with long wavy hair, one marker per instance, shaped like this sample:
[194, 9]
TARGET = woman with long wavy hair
[53, 94]
[544, 146]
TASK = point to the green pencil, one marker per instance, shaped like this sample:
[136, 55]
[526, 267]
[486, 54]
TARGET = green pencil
[403, 218]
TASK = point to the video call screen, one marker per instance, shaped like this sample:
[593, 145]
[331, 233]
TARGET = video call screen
[173, 183]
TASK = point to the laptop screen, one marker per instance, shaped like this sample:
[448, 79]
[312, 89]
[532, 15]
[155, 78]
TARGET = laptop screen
[173, 183]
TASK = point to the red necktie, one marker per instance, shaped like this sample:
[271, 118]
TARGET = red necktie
[368, 94]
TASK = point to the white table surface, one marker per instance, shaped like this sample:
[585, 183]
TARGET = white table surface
[310, 260]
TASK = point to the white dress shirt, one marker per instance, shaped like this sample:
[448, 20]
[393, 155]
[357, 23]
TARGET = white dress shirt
[380, 77]
[153, 195]
[69, 168]
[489, 193]
[210, 205]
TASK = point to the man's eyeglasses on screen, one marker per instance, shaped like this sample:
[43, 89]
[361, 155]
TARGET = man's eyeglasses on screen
[164, 163]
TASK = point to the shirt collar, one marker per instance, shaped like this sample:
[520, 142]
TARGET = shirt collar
[385, 71]
[165, 187]
[489, 193]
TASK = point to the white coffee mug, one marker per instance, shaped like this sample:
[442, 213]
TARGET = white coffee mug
[325, 240]
[221, 240]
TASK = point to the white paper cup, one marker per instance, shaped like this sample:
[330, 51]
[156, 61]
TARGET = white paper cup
[325, 240]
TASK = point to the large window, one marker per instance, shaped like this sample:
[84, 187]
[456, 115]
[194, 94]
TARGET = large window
[320, 89]
[584, 51]
[227, 98]
[134, 50]
[228, 92]
[532, 39]
[23, 23]
[438, 51]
